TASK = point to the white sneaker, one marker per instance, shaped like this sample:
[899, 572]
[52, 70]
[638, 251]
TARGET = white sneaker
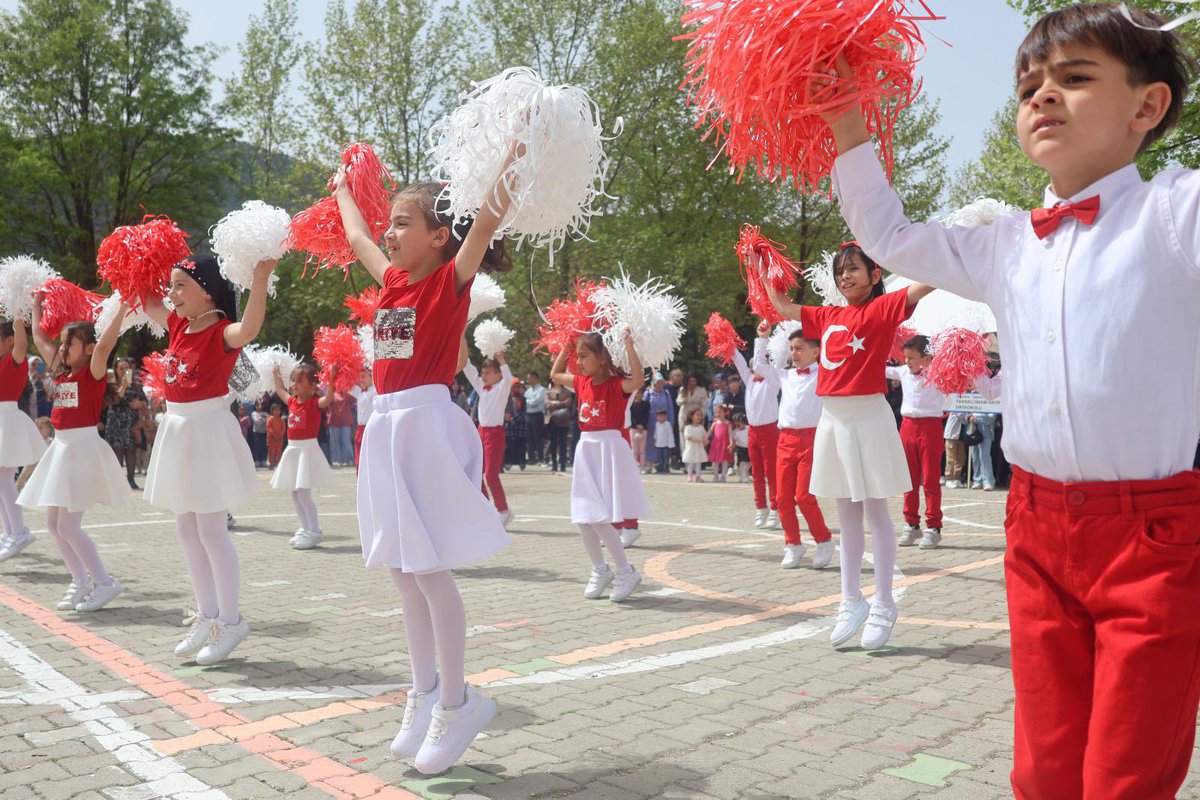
[792, 553]
[931, 539]
[989, 487]
[850, 617]
[296, 536]
[942, 480]
[221, 641]
[911, 535]
[451, 731]
[626, 584]
[598, 583]
[74, 596]
[823, 555]
[773, 519]
[197, 635]
[507, 516]
[760, 518]
[879, 626]
[630, 535]
[418, 712]
[11, 545]
[100, 596]
[307, 540]
[954, 484]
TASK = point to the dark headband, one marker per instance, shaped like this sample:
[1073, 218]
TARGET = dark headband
[207, 273]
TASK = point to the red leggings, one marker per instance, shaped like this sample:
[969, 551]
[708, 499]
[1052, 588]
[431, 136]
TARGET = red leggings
[764, 441]
[493, 461]
[793, 470]
[358, 433]
[923, 447]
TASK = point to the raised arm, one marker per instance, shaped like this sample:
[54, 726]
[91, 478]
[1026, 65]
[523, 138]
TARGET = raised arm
[45, 345]
[558, 371]
[916, 293]
[637, 375]
[472, 376]
[156, 310]
[242, 333]
[358, 233]
[20, 341]
[325, 400]
[486, 223]
[106, 343]
[280, 391]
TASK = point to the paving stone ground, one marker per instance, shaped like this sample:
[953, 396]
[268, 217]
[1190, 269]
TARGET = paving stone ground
[716, 681]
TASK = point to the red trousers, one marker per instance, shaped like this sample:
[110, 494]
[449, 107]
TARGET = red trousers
[793, 470]
[764, 440]
[1103, 583]
[358, 432]
[923, 447]
[493, 462]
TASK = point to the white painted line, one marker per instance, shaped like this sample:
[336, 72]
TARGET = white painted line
[974, 524]
[233, 695]
[330, 596]
[264, 584]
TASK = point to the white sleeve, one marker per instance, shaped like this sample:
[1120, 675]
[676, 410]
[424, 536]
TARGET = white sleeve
[739, 361]
[989, 387]
[1184, 203]
[472, 376]
[893, 373]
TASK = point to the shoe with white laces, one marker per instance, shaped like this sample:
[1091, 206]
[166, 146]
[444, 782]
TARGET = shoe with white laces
[626, 584]
[630, 535]
[307, 540]
[911, 535]
[760, 518]
[418, 712]
[451, 731]
[221, 641]
[792, 553]
[931, 539]
[101, 595]
[954, 484]
[879, 625]
[506, 517]
[197, 635]
[823, 554]
[11, 545]
[773, 519]
[74, 596]
[850, 617]
[598, 582]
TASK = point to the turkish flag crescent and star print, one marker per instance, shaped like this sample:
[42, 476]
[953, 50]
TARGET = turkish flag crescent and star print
[855, 342]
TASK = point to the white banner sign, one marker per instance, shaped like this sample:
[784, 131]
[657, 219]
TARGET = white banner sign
[971, 403]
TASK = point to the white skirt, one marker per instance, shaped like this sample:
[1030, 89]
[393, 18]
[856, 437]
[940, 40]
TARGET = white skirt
[857, 453]
[420, 505]
[20, 442]
[605, 485]
[77, 471]
[302, 466]
[200, 462]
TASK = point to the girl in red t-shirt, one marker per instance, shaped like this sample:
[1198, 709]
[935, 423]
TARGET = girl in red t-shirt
[21, 445]
[79, 469]
[858, 459]
[420, 510]
[201, 467]
[605, 487]
[303, 466]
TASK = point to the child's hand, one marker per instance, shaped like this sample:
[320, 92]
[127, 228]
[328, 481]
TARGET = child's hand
[333, 371]
[278, 374]
[265, 267]
[845, 118]
[763, 329]
[338, 181]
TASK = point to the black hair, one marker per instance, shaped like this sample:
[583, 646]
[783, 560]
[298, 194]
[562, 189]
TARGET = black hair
[490, 362]
[87, 332]
[6, 328]
[307, 370]
[853, 249]
[920, 343]
[207, 274]
[436, 210]
[739, 417]
[799, 334]
[595, 342]
[1151, 55]
[533, 373]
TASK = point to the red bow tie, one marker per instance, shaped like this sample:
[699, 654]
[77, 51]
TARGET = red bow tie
[804, 371]
[759, 379]
[1045, 220]
[487, 388]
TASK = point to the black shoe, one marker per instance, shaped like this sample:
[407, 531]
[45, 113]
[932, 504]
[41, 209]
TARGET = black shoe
[133, 485]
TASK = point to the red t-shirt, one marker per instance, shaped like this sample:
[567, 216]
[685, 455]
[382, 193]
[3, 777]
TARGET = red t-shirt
[78, 400]
[855, 342]
[417, 329]
[601, 406]
[197, 365]
[304, 418]
[14, 378]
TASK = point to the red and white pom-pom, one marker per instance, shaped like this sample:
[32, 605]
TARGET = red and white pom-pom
[133, 319]
[762, 260]
[486, 295]
[153, 375]
[565, 320]
[723, 340]
[339, 347]
[366, 340]
[64, 303]
[253, 233]
[20, 276]
[983, 211]
[136, 260]
[318, 229]
[779, 346]
[757, 73]
[902, 335]
[647, 311]
[266, 360]
[492, 336]
[364, 305]
[820, 277]
[959, 357]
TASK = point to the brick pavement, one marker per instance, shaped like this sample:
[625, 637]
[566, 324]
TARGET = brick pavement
[716, 681]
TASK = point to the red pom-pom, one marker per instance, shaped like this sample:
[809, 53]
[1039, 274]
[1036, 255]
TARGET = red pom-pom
[902, 335]
[761, 259]
[339, 347]
[64, 303]
[363, 306]
[318, 230]
[723, 340]
[154, 374]
[757, 68]
[136, 260]
[959, 358]
[565, 320]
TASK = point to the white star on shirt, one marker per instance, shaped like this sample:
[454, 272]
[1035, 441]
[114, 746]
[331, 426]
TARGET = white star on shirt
[858, 343]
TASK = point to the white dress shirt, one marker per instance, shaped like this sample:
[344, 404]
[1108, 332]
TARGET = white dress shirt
[365, 402]
[1098, 325]
[989, 386]
[493, 400]
[799, 406]
[762, 396]
[920, 399]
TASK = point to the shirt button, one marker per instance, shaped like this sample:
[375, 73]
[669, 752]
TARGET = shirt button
[1055, 409]
[1076, 498]
[1050, 336]
[1058, 265]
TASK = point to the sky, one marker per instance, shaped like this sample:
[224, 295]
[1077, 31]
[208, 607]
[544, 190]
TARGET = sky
[971, 73]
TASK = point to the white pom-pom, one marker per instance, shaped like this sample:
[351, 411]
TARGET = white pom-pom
[265, 360]
[779, 347]
[983, 211]
[366, 340]
[251, 234]
[557, 177]
[20, 276]
[648, 311]
[486, 295]
[820, 277]
[136, 319]
[491, 337]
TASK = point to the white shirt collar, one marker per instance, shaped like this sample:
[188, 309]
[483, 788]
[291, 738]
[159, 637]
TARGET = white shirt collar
[1112, 183]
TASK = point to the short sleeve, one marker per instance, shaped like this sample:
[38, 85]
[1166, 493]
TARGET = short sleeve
[394, 278]
[813, 320]
[576, 382]
[893, 306]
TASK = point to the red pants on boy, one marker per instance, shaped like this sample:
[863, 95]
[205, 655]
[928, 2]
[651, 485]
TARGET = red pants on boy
[764, 441]
[923, 446]
[493, 462]
[793, 470]
[1103, 583]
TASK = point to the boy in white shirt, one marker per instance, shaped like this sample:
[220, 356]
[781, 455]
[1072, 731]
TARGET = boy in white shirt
[364, 404]
[493, 383]
[921, 435]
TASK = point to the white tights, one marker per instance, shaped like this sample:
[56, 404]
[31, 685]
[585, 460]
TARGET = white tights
[883, 546]
[604, 531]
[212, 563]
[435, 625]
[10, 513]
[693, 469]
[77, 548]
[306, 509]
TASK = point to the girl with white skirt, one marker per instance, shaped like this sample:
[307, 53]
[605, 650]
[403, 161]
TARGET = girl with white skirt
[605, 486]
[21, 443]
[78, 469]
[858, 459]
[201, 467]
[303, 466]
